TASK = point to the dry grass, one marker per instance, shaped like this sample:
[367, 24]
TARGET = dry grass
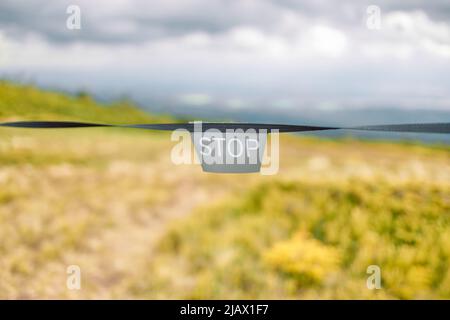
[112, 203]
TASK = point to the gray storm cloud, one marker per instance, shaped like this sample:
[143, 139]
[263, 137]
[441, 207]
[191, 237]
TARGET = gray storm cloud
[237, 54]
[140, 21]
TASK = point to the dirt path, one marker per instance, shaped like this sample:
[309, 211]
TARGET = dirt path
[116, 254]
[130, 246]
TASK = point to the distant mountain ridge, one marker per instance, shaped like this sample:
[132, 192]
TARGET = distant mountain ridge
[335, 117]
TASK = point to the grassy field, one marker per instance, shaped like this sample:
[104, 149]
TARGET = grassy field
[111, 202]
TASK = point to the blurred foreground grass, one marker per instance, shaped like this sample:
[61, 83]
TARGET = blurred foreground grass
[111, 202]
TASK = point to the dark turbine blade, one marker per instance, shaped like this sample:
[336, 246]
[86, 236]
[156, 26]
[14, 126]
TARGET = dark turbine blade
[443, 128]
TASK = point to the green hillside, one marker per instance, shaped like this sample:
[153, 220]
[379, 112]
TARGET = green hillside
[30, 103]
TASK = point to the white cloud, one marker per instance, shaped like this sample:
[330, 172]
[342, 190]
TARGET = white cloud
[3, 50]
[195, 99]
[385, 50]
[34, 52]
[419, 31]
[326, 41]
[237, 103]
[284, 103]
[197, 40]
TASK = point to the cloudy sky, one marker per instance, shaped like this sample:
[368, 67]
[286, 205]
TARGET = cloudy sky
[246, 54]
